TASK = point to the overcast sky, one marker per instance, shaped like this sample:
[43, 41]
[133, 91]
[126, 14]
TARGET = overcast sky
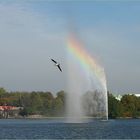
[32, 32]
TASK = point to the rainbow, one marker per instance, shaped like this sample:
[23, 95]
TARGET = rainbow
[88, 63]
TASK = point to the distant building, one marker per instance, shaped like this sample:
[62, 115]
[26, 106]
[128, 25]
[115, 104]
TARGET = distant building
[138, 95]
[9, 111]
[118, 97]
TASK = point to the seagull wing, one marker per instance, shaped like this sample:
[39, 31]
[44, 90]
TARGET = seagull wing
[59, 68]
[54, 61]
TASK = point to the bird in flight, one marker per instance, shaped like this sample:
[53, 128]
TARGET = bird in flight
[57, 64]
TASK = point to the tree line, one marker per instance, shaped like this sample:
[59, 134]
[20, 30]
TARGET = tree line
[127, 107]
[36, 102]
[45, 103]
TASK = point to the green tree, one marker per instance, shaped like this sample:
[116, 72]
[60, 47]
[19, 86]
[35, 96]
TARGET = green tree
[47, 100]
[59, 104]
[36, 103]
[113, 106]
[131, 105]
[2, 96]
[2, 91]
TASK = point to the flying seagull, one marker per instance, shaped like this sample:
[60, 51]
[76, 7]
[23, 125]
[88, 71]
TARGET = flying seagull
[57, 64]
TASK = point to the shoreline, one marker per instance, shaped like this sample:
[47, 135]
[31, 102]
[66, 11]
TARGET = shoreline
[62, 117]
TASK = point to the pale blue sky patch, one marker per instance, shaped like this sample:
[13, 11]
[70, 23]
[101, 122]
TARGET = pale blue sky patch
[32, 32]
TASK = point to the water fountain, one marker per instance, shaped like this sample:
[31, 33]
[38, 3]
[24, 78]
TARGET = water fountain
[87, 91]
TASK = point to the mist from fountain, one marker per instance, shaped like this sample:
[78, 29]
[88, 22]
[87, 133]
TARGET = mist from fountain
[86, 90]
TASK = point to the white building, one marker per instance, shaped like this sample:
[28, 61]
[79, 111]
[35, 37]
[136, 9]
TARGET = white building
[138, 95]
[119, 97]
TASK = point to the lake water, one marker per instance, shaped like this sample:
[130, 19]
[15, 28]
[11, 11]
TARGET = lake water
[57, 129]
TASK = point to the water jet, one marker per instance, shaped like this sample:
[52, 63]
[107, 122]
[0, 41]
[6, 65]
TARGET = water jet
[87, 90]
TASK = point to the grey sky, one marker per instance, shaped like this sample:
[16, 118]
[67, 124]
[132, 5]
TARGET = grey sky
[33, 33]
